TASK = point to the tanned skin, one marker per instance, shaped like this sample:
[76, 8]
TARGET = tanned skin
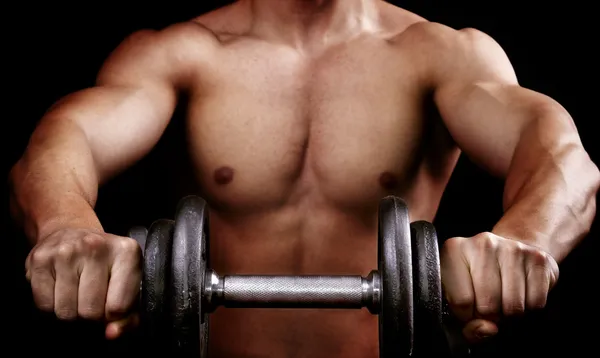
[302, 116]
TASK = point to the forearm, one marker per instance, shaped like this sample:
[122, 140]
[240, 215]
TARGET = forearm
[54, 184]
[550, 190]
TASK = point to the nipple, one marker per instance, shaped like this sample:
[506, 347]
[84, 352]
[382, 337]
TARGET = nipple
[223, 175]
[388, 181]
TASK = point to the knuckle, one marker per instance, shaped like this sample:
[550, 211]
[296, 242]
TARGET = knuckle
[452, 244]
[487, 306]
[538, 258]
[513, 308]
[94, 242]
[91, 312]
[43, 304]
[513, 248]
[65, 252]
[40, 257]
[65, 314]
[537, 304]
[460, 302]
[129, 246]
[117, 309]
[485, 241]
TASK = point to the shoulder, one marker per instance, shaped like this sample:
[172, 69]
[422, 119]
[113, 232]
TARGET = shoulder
[396, 20]
[168, 51]
[174, 39]
[468, 52]
[227, 22]
[433, 37]
[466, 41]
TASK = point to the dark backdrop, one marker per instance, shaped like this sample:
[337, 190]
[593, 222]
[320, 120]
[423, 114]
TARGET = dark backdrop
[53, 49]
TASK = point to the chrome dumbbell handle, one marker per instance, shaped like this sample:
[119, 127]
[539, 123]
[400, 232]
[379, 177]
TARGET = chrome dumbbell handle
[314, 291]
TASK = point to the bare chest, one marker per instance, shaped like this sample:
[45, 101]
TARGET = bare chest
[268, 126]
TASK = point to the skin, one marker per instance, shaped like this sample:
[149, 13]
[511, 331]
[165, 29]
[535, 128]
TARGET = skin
[288, 100]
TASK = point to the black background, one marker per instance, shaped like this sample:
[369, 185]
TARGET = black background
[53, 49]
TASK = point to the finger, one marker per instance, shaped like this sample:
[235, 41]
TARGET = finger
[42, 288]
[66, 290]
[512, 269]
[538, 286]
[478, 330]
[39, 267]
[116, 329]
[456, 280]
[124, 284]
[93, 285]
[487, 283]
[28, 267]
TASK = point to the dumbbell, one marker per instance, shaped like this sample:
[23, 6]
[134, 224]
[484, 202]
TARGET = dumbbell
[179, 290]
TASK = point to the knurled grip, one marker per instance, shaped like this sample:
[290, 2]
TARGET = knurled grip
[270, 291]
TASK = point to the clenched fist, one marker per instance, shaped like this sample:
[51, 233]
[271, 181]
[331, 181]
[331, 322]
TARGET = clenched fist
[487, 277]
[87, 274]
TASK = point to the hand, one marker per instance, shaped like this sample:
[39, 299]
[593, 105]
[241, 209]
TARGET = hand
[78, 273]
[487, 277]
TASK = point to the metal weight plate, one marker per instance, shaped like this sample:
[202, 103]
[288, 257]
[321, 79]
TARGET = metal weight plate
[429, 338]
[188, 266]
[154, 296]
[395, 268]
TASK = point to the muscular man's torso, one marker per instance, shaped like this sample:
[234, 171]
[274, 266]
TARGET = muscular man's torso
[293, 150]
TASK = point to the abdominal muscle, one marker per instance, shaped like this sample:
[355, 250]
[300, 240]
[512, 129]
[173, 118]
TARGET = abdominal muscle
[291, 242]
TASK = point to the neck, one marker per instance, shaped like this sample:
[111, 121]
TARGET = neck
[299, 22]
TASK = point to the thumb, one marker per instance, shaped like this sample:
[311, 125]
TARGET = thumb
[116, 329]
[478, 330]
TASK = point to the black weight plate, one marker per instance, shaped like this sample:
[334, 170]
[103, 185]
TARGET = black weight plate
[395, 268]
[154, 298]
[429, 338]
[188, 266]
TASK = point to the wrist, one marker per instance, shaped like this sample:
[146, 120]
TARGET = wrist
[525, 235]
[76, 214]
[62, 222]
[40, 215]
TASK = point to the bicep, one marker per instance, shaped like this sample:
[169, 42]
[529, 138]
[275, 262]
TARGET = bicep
[124, 115]
[119, 124]
[481, 102]
[486, 120]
